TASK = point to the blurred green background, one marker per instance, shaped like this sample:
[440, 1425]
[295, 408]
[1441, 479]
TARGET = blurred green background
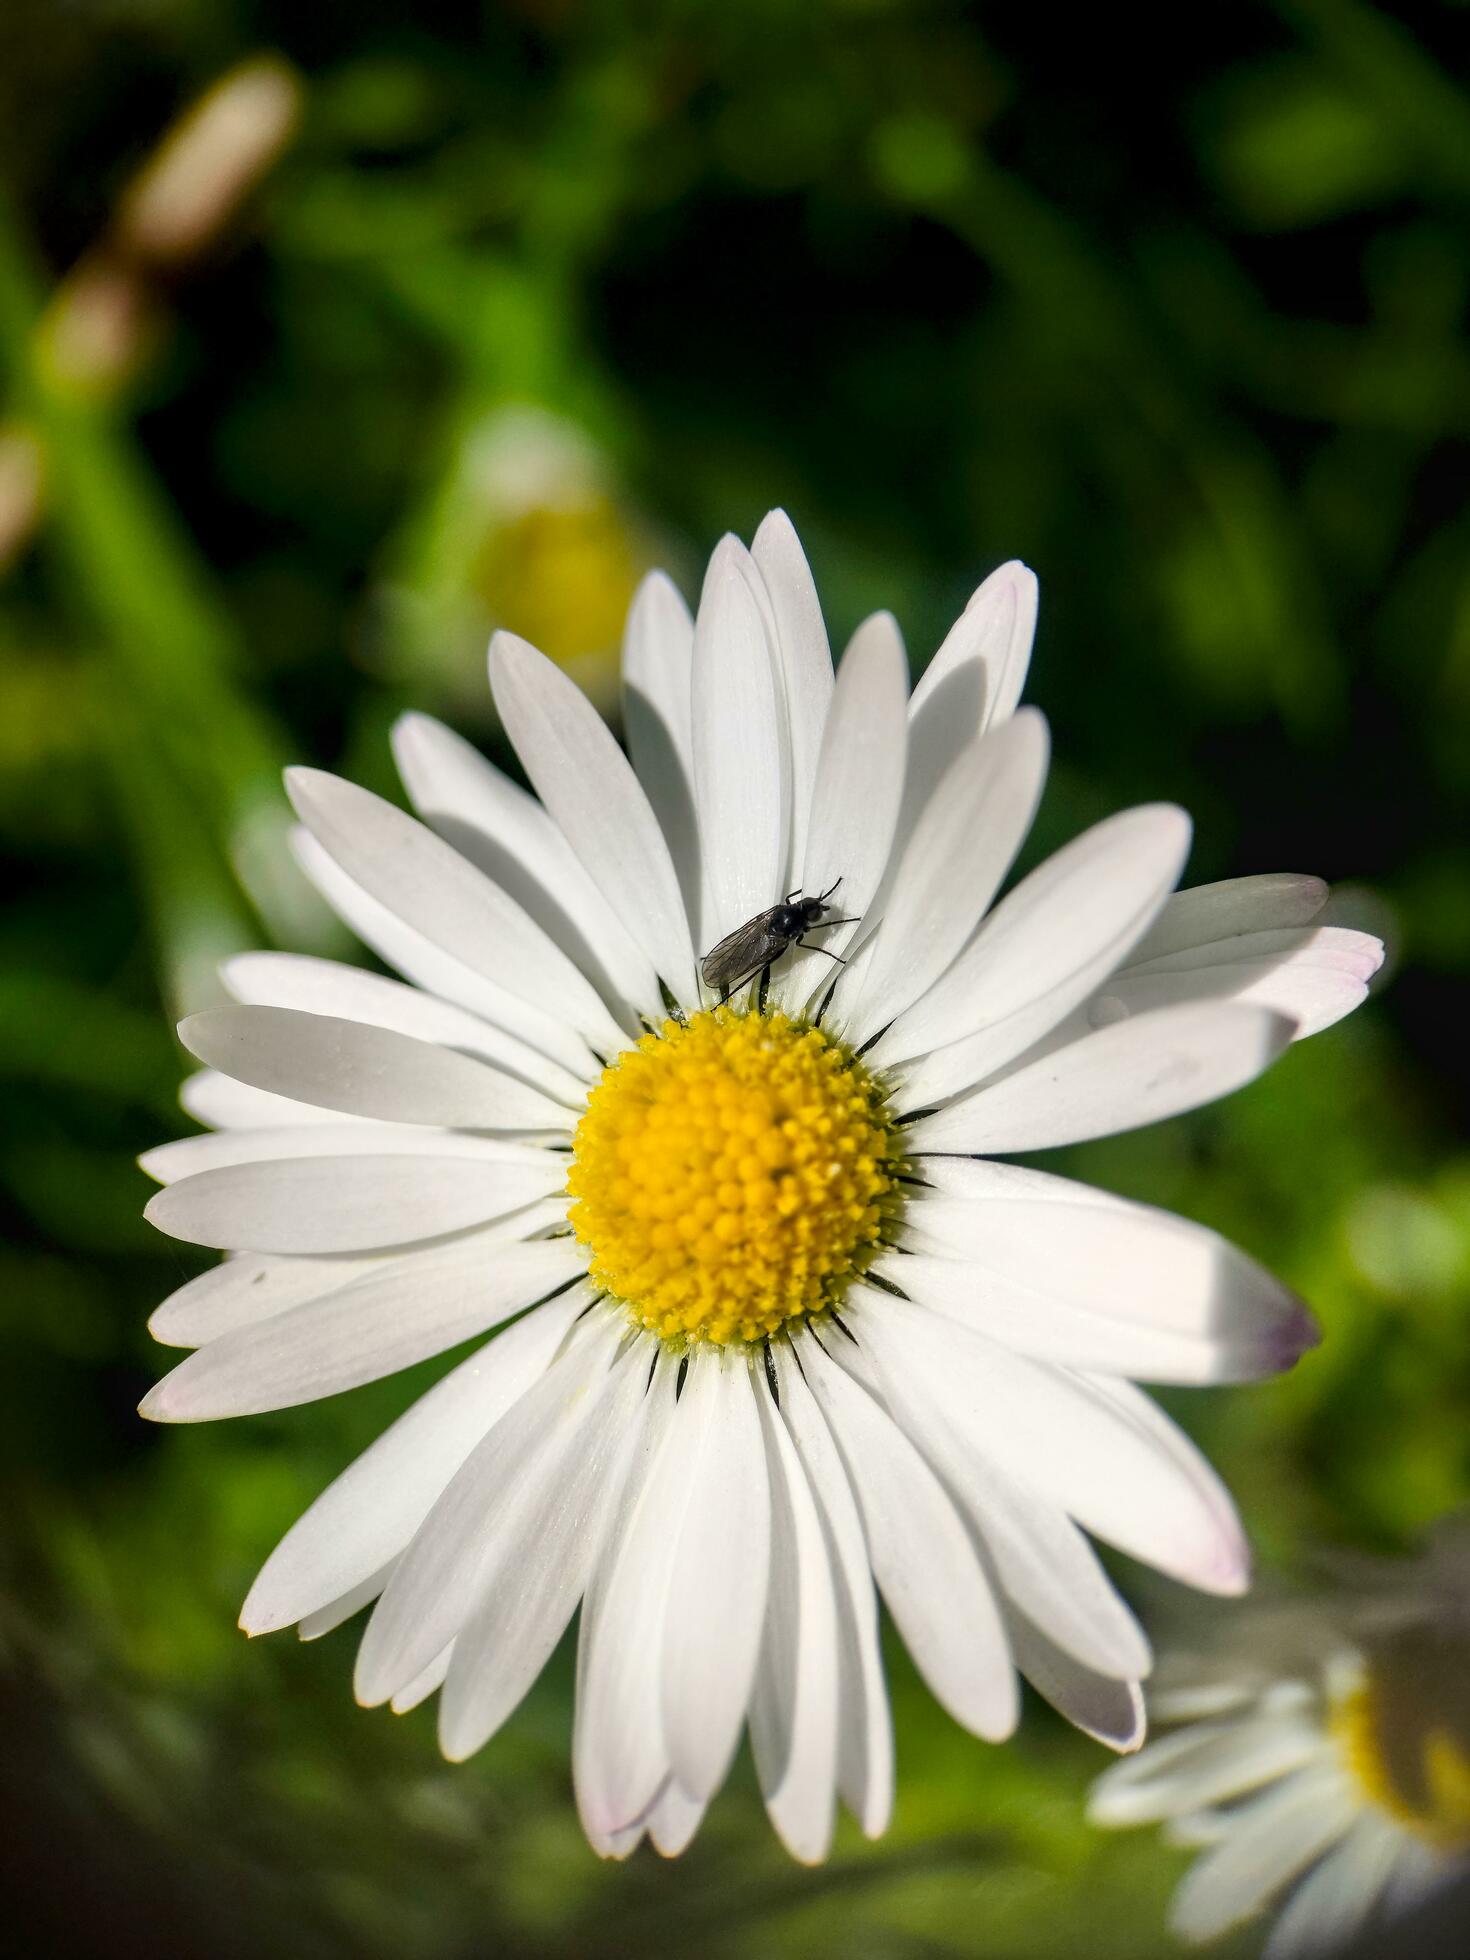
[455, 316]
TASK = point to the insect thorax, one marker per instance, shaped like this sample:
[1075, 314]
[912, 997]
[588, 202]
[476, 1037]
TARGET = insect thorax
[791, 921]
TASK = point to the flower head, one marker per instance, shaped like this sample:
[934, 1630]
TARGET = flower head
[1322, 1758]
[776, 1325]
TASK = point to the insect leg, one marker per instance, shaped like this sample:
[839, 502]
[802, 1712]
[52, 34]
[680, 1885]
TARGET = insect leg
[730, 987]
[806, 947]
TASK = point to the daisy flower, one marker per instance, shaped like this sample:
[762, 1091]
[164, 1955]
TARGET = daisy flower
[1326, 1762]
[779, 1334]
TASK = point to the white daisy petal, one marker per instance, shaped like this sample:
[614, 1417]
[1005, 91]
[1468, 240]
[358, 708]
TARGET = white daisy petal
[793, 1711]
[338, 1611]
[512, 838]
[994, 632]
[1052, 1575]
[972, 684]
[619, 1759]
[865, 1728]
[359, 1070]
[1114, 1797]
[1009, 600]
[349, 993]
[225, 1104]
[1200, 1701]
[363, 1520]
[617, 1844]
[674, 1819]
[1207, 1764]
[1284, 1832]
[732, 552]
[805, 661]
[1207, 914]
[740, 788]
[439, 973]
[1358, 953]
[658, 659]
[717, 1590]
[1198, 1828]
[543, 1563]
[186, 1156]
[426, 884]
[248, 1287]
[1221, 1555]
[1111, 1712]
[475, 1535]
[429, 1682]
[1042, 951]
[1314, 976]
[922, 1557]
[1109, 1255]
[405, 1311]
[855, 799]
[1140, 1071]
[1069, 1337]
[1042, 1561]
[976, 1182]
[1083, 1442]
[1336, 1899]
[961, 848]
[588, 785]
[1119, 1288]
[240, 1292]
[348, 1203]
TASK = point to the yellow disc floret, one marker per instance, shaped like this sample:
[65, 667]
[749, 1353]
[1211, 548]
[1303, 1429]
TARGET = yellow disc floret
[731, 1174]
[1404, 1734]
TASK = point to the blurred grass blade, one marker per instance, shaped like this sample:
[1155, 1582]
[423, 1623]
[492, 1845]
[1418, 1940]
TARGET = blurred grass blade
[135, 576]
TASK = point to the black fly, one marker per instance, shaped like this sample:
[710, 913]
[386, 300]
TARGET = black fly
[761, 940]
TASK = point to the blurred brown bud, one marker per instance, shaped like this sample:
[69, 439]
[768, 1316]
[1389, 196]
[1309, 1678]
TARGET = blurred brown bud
[109, 312]
[22, 490]
[100, 325]
[209, 162]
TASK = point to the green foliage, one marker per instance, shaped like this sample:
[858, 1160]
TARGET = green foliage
[540, 295]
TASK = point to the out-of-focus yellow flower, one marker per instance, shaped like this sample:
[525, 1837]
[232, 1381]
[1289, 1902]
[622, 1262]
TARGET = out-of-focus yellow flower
[526, 530]
[563, 577]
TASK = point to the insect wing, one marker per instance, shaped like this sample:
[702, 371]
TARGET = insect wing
[744, 951]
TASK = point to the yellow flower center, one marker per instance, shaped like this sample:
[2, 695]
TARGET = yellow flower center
[731, 1174]
[1405, 1737]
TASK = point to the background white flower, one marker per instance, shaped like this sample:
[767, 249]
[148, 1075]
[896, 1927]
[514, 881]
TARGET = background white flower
[717, 1462]
[1322, 1758]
